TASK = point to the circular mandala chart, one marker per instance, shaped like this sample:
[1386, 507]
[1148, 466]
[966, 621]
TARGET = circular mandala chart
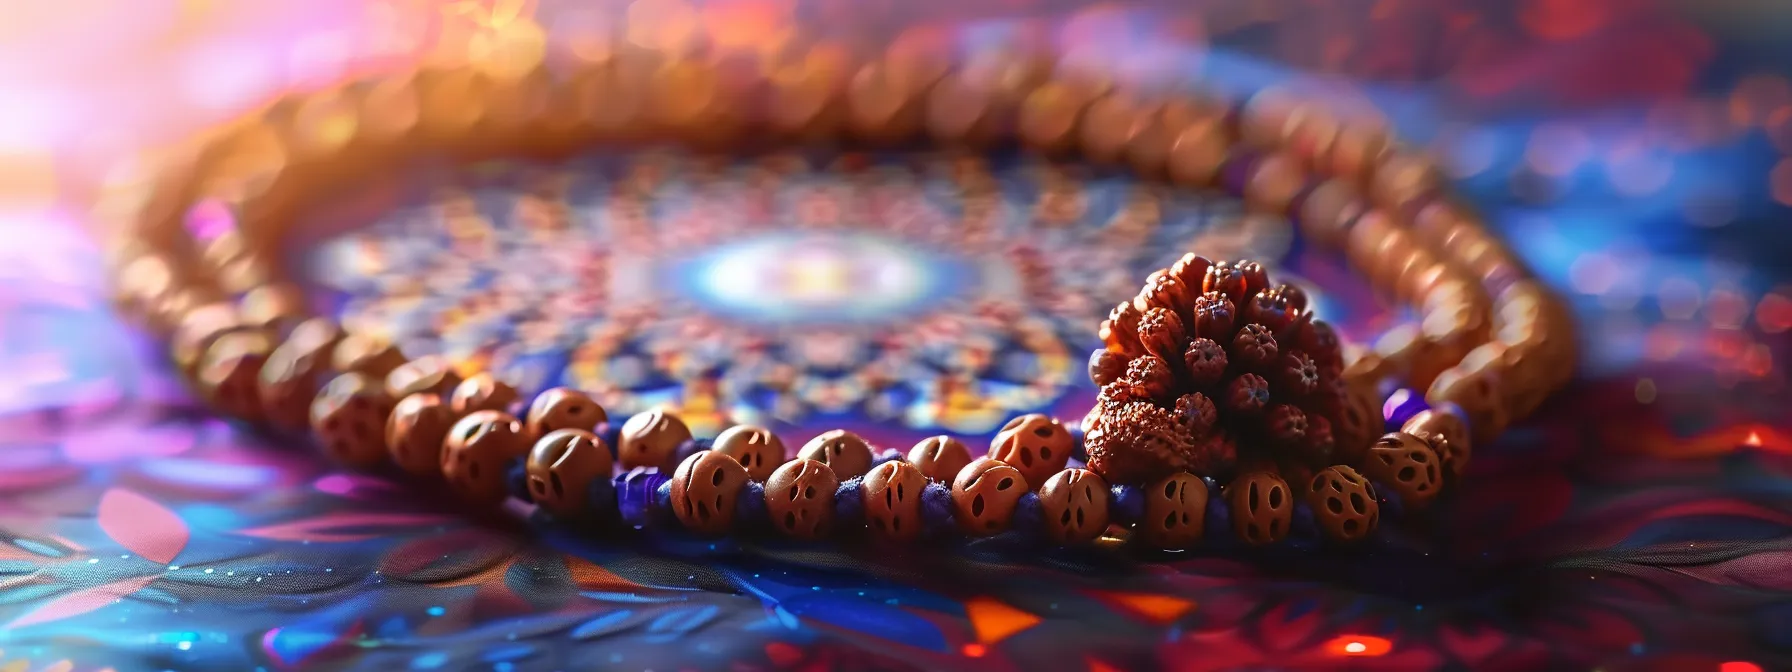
[901, 295]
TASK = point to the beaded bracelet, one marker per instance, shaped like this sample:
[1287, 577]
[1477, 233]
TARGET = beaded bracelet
[1224, 406]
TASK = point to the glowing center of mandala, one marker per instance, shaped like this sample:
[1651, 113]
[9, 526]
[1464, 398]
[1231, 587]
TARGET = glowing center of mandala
[844, 277]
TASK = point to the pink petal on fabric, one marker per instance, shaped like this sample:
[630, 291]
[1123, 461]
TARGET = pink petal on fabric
[81, 601]
[125, 442]
[341, 527]
[140, 524]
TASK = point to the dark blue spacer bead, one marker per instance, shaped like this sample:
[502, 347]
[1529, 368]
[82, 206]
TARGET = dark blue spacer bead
[662, 500]
[1303, 527]
[1219, 518]
[937, 510]
[688, 448]
[1078, 451]
[635, 492]
[889, 455]
[611, 433]
[1401, 406]
[516, 480]
[600, 500]
[1029, 517]
[849, 503]
[1236, 171]
[1127, 504]
[749, 509]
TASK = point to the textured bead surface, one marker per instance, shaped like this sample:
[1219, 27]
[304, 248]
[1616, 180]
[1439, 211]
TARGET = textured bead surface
[1175, 511]
[482, 392]
[892, 494]
[349, 417]
[705, 489]
[368, 355]
[1447, 433]
[227, 374]
[1262, 507]
[415, 432]
[1075, 506]
[1035, 444]
[1477, 393]
[985, 494]
[561, 467]
[1343, 503]
[800, 499]
[940, 458]
[432, 374]
[563, 408]
[478, 450]
[649, 438]
[1405, 464]
[756, 448]
[845, 452]
[293, 371]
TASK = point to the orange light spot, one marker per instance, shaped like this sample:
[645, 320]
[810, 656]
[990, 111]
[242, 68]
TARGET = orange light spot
[1738, 666]
[994, 621]
[1754, 439]
[973, 650]
[1358, 645]
[1160, 608]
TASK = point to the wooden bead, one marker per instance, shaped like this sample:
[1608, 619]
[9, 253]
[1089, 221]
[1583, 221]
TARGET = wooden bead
[1359, 422]
[563, 408]
[196, 331]
[349, 417]
[963, 109]
[756, 448]
[1329, 211]
[1035, 444]
[1109, 126]
[1447, 433]
[293, 371]
[482, 392]
[1477, 393]
[1405, 465]
[1049, 116]
[1273, 183]
[705, 491]
[985, 494]
[1075, 505]
[649, 439]
[1402, 178]
[561, 467]
[228, 373]
[1358, 149]
[369, 355]
[800, 498]
[277, 307]
[1197, 152]
[845, 452]
[477, 453]
[892, 495]
[431, 374]
[1262, 507]
[1343, 503]
[881, 104]
[940, 458]
[1175, 512]
[415, 432]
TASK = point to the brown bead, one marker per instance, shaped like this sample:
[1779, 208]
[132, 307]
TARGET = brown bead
[1106, 366]
[1162, 334]
[563, 408]
[1447, 434]
[291, 375]
[1406, 465]
[1328, 211]
[1049, 116]
[349, 417]
[228, 372]
[1262, 507]
[892, 494]
[277, 307]
[1197, 152]
[196, 331]
[482, 392]
[415, 432]
[1164, 290]
[881, 104]
[1359, 422]
[1035, 444]
[843, 451]
[940, 457]
[1343, 503]
[431, 374]
[1109, 126]
[369, 355]
[1401, 179]
[478, 452]
[561, 467]
[1358, 148]
[799, 496]
[1150, 147]
[1273, 183]
[649, 439]
[962, 109]
[756, 448]
[985, 494]
[1175, 512]
[1120, 333]
[1477, 393]
[1075, 505]
[705, 491]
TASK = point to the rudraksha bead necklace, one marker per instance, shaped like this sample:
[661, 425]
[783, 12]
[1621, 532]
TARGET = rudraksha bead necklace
[1228, 414]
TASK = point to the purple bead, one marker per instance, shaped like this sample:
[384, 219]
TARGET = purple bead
[1401, 406]
[635, 495]
[1235, 173]
[611, 433]
[1029, 517]
[936, 509]
[1078, 451]
[1303, 526]
[516, 480]
[849, 503]
[689, 448]
[1219, 518]
[1299, 202]
[750, 512]
[1128, 504]
[889, 455]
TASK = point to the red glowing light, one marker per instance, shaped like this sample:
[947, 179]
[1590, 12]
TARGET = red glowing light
[1738, 666]
[1754, 439]
[973, 650]
[1358, 645]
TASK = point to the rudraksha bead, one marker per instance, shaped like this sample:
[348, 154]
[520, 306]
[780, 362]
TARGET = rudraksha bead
[561, 467]
[892, 494]
[1175, 511]
[648, 439]
[1205, 362]
[1343, 503]
[1035, 444]
[482, 392]
[1406, 465]
[756, 448]
[292, 373]
[1262, 507]
[415, 432]
[349, 417]
[1075, 505]
[1161, 333]
[940, 458]
[705, 490]
[226, 375]
[1447, 433]
[843, 451]
[479, 448]
[985, 494]
[1150, 378]
[563, 408]
[432, 374]
[799, 497]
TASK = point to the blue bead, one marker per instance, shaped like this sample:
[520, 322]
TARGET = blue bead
[1400, 406]
[849, 503]
[1303, 527]
[889, 455]
[749, 508]
[690, 447]
[1219, 518]
[1078, 451]
[611, 433]
[1029, 517]
[1128, 504]
[635, 494]
[937, 509]
[516, 479]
